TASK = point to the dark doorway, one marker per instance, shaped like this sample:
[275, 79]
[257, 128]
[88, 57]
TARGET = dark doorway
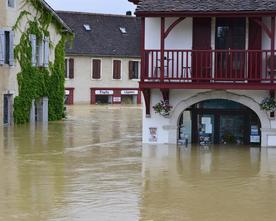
[230, 35]
[201, 56]
[7, 109]
[220, 121]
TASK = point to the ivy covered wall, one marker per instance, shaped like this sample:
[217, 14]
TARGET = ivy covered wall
[36, 82]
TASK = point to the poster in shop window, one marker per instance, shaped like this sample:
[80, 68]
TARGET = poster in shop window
[153, 134]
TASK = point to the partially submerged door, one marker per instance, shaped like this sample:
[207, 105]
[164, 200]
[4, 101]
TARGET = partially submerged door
[7, 108]
[230, 45]
[201, 55]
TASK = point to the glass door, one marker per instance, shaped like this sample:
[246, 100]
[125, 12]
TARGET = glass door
[232, 129]
[206, 129]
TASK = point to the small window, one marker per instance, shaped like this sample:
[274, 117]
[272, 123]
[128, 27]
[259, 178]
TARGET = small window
[87, 27]
[96, 69]
[123, 30]
[6, 47]
[116, 69]
[66, 68]
[133, 69]
[11, 3]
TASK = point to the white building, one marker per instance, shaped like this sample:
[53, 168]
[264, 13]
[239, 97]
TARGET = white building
[103, 62]
[16, 17]
[214, 63]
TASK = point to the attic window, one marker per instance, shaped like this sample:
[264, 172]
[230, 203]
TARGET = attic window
[123, 30]
[87, 27]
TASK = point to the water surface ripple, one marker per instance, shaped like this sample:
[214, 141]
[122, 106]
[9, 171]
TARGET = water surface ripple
[93, 167]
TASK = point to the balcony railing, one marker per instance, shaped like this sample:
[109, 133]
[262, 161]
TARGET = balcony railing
[214, 66]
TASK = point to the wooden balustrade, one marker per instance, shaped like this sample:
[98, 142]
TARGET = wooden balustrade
[223, 66]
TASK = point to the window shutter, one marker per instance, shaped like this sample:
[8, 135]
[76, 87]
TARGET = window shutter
[11, 58]
[33, 44]
[96, 69]
[116, 69]
[40, 53]
[2, 45]
[131, 69]
[65, 67]
[71, 68]
[46, 51]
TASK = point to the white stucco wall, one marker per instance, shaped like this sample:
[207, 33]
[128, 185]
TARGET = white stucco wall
[83, 81]
[167, 128]
[8, 74]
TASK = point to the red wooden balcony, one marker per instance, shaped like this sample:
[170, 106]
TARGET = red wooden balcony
[209, 69]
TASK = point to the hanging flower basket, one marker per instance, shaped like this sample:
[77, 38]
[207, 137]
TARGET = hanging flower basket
[268, 104]
[163, 108]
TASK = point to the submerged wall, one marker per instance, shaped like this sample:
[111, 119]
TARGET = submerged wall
[167, 128]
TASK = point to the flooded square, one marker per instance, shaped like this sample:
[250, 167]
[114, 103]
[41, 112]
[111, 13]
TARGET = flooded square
[94, 167]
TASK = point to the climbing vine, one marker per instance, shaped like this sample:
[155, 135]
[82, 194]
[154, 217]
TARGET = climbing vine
[36, 82]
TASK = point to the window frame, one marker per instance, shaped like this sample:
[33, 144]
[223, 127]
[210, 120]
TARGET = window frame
[66, 63]
[101, 69]
[7, 60]
[139, 69]
[14, 4]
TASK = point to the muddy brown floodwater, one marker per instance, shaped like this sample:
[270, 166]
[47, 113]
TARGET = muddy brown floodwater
[93, 167]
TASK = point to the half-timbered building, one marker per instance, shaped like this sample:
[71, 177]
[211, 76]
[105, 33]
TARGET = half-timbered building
[213, 65]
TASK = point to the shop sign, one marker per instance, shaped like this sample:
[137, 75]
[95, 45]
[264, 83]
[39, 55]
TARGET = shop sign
[129, 92]
[104, 92]
[117, 99]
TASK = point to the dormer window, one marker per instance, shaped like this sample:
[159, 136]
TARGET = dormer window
[87, 27]
[123, 30]
[11, 3]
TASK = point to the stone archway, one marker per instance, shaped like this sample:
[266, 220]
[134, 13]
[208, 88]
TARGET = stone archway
[242, 99]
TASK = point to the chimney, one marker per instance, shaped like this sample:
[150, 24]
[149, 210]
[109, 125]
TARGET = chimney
[129, 13]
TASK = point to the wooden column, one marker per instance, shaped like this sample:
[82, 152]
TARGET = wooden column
[147, 96]
[272, 48]
[143, 50]
[162, 49]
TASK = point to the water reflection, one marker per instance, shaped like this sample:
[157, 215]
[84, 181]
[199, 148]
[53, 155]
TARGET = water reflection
[216, 183]
[93, 167]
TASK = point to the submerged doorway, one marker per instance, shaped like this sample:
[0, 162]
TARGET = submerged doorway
[7, 116]
[219, 121]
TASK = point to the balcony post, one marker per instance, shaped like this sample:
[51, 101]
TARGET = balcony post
[272, 47]
[143, 63]
[162, 49]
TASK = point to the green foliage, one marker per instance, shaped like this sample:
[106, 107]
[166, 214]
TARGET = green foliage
[37, 82]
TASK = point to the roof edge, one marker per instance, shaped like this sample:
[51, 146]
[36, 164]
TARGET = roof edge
[93, 13]
[53, 12]
[203, 13]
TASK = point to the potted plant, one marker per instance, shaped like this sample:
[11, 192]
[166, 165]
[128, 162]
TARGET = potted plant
[269, 104]
[163, 108]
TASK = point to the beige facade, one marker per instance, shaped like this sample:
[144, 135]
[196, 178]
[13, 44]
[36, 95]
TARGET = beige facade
[83, 82]
[8, 73]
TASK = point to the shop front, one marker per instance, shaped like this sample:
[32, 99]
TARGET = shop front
[115, 96]
[219, 122]
[69, 96]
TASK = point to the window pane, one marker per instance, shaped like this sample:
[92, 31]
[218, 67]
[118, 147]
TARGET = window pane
[136, 70]
[11, 3]
[66, 68]
[7, 47]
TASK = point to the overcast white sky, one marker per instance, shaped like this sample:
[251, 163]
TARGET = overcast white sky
[98, 6]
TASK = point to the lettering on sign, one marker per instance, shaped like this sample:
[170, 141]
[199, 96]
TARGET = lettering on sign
[116, 99]
[104, 92]
[129, 92]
